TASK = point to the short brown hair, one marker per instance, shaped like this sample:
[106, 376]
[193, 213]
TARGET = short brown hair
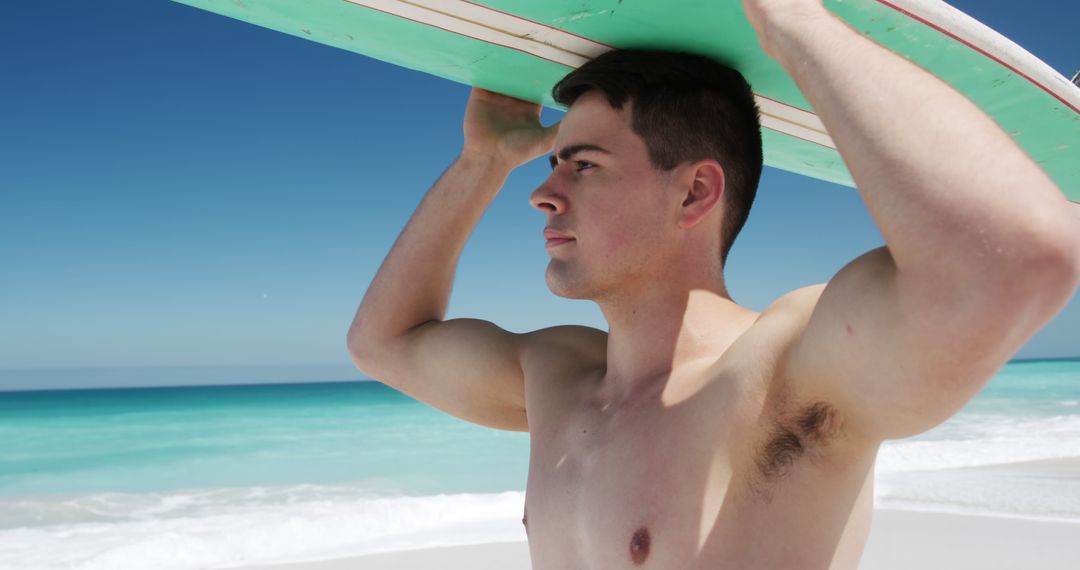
[686, 107]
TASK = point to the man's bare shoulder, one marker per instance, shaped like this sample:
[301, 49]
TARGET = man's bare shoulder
[759, 348]
[796, 302]
[787, 316]
[555, 360]
[569, 340]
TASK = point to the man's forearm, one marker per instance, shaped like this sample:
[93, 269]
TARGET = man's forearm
[949, 190]
[413, 283]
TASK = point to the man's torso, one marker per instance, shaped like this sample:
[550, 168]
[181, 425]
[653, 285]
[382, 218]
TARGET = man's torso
[721, 466]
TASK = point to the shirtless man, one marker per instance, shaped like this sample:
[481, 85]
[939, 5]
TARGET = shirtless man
[697, 433]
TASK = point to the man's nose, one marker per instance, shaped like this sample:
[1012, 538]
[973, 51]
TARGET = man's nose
[548, 199]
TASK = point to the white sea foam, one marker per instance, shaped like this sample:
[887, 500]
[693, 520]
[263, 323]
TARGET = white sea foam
[957, 468]
[975, 440]
[234, 527]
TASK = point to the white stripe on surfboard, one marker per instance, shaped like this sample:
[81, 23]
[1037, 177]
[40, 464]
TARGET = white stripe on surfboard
[966, 29]
[492, 26]
[793, 121]
[499, 28]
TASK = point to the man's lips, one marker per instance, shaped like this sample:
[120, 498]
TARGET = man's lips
[555, 237]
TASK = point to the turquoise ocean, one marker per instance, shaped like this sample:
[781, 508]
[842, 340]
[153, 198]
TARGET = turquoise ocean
[223, 476]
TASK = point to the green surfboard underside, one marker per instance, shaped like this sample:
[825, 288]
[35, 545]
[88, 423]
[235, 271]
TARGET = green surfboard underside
[1039, 122]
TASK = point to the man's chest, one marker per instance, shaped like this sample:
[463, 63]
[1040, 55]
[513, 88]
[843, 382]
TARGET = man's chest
[634, 485]
[681, 481]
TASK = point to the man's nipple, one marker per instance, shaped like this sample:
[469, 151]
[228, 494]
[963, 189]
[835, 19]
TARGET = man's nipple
[639, 546]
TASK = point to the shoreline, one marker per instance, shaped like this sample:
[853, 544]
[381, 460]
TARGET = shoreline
[899, 540]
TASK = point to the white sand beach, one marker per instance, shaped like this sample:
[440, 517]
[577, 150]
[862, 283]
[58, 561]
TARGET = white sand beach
[899, 540]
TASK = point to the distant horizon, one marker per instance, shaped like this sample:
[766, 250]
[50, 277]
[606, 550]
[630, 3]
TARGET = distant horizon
[120, 377]
[308, 364]
[254, 378]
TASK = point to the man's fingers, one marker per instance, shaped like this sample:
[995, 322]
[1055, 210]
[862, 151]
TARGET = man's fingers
[505, 101]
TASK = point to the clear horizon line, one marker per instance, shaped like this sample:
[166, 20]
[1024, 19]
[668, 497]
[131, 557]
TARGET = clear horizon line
[327, 364]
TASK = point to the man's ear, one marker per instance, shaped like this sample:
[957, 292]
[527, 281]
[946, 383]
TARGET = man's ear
[701, 186]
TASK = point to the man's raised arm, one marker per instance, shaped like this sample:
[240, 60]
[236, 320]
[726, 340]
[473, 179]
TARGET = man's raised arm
[982, 247]
[465, 367]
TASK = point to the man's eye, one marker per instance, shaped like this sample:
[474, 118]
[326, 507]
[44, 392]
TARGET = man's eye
[583, 164]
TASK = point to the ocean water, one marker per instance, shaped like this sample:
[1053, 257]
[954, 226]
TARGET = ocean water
[223, 476]
[207, 477]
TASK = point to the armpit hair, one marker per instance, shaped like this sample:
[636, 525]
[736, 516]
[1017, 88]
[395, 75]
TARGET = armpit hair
[793, 436]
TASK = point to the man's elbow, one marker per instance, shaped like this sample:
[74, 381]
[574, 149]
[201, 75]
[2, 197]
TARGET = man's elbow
[379, 357]
[359, 348]
[1051, 270]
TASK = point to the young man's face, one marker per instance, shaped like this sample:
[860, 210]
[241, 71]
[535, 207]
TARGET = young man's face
[605, 194]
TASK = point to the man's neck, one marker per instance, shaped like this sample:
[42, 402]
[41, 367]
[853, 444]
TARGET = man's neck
[659, 332]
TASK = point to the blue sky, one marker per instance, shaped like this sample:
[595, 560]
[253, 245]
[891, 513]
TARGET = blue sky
[183, 189]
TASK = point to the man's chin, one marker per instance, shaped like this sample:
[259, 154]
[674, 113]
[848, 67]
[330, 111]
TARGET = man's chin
[566, 288]
[569, 295]
[559, 291]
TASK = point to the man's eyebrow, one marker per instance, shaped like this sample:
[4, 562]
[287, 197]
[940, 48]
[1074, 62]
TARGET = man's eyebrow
[569, 151]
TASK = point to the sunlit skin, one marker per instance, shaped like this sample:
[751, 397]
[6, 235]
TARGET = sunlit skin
[612, 203]
[627, 218]
[696, 433]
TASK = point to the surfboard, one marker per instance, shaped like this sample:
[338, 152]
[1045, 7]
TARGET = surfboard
[522, 48]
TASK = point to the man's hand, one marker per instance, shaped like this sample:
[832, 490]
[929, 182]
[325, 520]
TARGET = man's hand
[764, 13]
[505, 129]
